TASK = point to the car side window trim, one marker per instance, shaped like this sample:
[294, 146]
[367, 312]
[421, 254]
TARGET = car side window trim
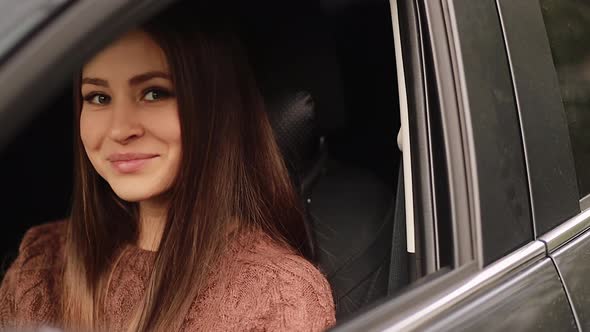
[568, 230]
[416, 308]
[445, 97]
[517, 260]
[585, 203]
[435, 241]
[404, 131]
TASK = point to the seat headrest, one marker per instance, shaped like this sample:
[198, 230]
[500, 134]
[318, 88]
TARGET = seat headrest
[287, 55]
[293, 119]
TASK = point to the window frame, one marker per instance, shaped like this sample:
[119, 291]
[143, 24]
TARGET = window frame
[551, 172]
[425, 99]
[496, 156]
[469, 140]
[572, 214]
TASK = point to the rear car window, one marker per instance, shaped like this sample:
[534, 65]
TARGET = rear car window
[568, 29]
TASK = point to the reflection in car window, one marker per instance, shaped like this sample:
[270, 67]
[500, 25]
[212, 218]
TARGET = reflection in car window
[568, 28]
[18, 18]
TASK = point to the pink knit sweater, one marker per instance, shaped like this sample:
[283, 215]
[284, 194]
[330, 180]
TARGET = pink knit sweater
[260, 286]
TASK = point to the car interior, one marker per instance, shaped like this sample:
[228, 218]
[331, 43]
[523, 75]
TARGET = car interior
[327, 72]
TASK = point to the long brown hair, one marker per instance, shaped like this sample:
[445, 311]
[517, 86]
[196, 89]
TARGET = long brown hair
[231, 171]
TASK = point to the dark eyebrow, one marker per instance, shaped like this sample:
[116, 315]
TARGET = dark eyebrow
[95, 81]
[135, 80]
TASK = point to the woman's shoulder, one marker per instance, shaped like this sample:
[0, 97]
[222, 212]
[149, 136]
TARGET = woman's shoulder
[264, 285]
[276, 260]
[283, 290]
[42, 244]
[41, 248]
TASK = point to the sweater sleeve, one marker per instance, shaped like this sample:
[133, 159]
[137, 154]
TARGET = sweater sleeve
[37, 246]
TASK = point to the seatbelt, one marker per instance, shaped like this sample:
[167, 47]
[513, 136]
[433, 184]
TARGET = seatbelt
[398, 266]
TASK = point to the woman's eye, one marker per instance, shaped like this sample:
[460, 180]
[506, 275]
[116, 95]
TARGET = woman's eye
[156, 94]
[97, 99]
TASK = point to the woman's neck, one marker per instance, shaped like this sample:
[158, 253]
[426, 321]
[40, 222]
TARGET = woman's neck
[152, 219]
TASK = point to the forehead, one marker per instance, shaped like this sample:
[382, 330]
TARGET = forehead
[134, 53]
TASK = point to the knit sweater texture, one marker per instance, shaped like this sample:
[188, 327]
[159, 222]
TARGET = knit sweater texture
[260, 285]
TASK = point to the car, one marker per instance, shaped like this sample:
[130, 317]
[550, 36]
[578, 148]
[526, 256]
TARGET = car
[441, 147]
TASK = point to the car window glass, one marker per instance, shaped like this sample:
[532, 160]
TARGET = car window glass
[19, 18]
[568, 29]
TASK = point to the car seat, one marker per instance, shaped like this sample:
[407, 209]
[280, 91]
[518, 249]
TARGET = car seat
[350, 211]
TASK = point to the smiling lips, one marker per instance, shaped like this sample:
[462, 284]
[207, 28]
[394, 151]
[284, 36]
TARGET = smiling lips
[130, 162]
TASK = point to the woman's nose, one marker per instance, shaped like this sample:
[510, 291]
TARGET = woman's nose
[125, 124]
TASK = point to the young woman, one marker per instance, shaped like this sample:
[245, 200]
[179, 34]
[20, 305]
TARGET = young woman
[183, 216]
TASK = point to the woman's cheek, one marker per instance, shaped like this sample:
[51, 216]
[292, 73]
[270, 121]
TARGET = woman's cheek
[92, 129]
[164, 125]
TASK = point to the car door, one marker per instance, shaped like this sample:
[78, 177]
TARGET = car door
[463, 83]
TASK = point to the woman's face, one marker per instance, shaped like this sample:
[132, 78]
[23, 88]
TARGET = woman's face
[129, 123]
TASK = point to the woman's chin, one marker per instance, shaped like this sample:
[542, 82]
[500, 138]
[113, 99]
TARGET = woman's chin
[135, 193]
